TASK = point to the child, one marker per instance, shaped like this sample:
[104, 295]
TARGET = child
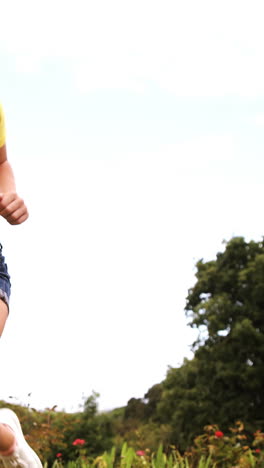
[14, 450]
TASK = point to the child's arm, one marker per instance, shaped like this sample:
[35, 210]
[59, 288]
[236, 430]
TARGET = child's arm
[12, 207]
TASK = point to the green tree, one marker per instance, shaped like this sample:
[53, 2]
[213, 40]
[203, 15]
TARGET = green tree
[91, 405]
[185, 403]
[228, 301]
[152, 398]
[135, 409]
[224, 382]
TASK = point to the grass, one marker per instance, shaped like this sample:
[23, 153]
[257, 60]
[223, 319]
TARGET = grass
[129, 458]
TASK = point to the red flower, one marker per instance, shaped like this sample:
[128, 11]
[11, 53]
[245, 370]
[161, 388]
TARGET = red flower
[78, 442]
[219, 434]
[257, 450]
[141, 453]
[59, 455]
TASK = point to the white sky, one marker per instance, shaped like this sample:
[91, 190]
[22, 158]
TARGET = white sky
[135, 130]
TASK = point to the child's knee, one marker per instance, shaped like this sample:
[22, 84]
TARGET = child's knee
[3, 315]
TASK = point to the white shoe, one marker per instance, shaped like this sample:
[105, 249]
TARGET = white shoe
[23, 455]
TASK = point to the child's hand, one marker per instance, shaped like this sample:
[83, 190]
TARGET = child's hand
[13, 208]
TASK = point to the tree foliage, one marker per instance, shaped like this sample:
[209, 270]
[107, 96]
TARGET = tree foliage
[224, 381]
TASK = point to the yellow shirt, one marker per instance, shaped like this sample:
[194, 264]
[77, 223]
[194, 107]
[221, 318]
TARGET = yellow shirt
[2, 127]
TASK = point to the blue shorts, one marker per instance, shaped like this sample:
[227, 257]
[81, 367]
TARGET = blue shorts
[5, 285]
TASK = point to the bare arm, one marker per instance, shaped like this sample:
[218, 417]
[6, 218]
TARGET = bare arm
[12, 207]
[7, 180]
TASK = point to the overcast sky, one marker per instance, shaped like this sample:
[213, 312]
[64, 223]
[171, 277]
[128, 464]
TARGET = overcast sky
[135, 130]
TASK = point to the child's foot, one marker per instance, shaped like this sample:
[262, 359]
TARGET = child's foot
[22, 455]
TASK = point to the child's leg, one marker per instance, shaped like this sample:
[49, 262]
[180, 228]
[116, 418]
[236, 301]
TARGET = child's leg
[3, 315]
[5, 288]
[7, 440]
